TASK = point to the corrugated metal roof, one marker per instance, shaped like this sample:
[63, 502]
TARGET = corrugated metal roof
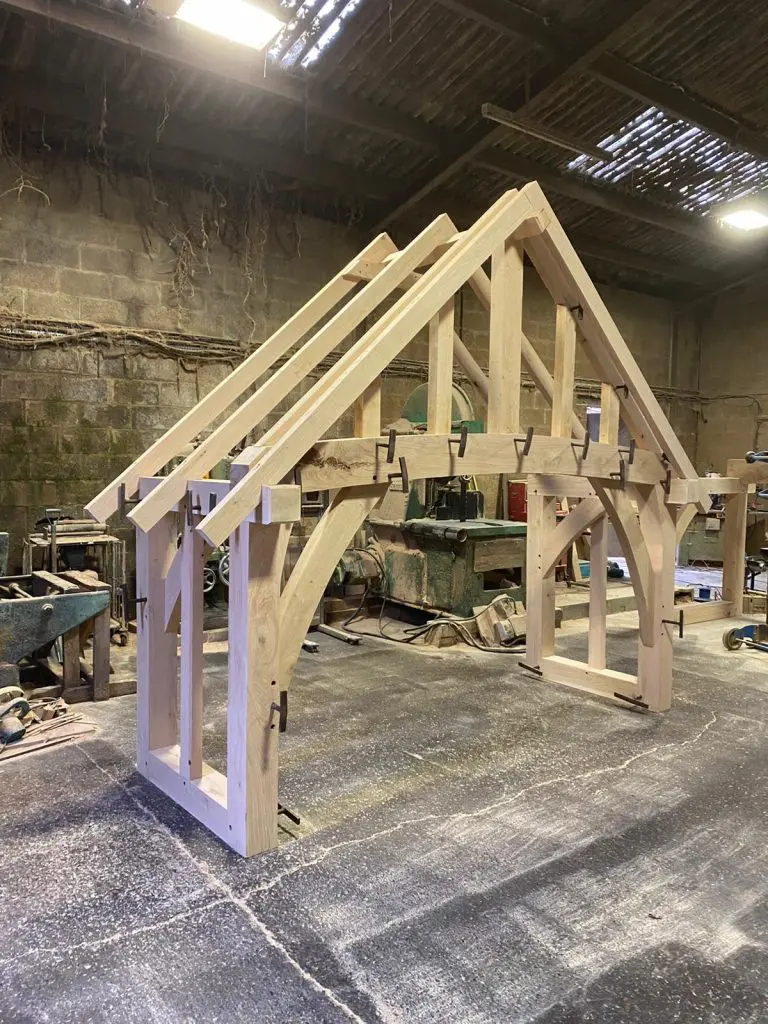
[425, 62]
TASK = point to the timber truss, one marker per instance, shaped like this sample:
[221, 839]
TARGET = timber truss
[645, 490]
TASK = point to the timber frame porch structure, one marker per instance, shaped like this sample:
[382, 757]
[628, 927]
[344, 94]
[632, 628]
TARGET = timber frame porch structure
[646, 491]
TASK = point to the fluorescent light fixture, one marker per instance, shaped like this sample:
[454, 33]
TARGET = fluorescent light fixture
[538, 131]
[236, 20]
[745, 219]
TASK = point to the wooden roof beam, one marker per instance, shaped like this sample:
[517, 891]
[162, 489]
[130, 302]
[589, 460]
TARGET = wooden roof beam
[464, 213]
[565, 64]
[241, 150]
[180, 44]
[508, 19]
[606, 198]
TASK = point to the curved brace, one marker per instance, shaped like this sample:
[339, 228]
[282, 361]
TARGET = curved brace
[625, 522]
[304, 589]
[569, 529]
[685, 517]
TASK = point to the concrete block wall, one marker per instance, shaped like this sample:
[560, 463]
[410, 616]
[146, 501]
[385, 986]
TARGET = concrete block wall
[72, 417]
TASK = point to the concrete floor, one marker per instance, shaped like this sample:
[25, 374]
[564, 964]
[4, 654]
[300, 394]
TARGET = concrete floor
[477, 846]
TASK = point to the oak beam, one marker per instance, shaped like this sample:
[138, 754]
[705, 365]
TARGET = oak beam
[440, 380]
[505, 339]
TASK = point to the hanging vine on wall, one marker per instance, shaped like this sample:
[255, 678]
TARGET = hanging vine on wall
[180, 217]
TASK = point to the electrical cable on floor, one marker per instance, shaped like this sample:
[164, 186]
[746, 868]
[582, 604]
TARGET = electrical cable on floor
[415, 631]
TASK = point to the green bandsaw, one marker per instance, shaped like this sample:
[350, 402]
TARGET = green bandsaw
[443, 554]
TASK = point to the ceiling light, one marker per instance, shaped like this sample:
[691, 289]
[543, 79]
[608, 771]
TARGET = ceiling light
[236, 20]
[745, 219]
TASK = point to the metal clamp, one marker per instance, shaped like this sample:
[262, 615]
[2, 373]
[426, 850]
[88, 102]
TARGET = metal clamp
[191, 510]
[636, 702]
[461, 441]
[679, 622]
[527, 441]
[123, 502]
[630, 451]
[389, 445]
[622, 474]
[756, 457]
[583, 445]
[402, 475]
[282, 710]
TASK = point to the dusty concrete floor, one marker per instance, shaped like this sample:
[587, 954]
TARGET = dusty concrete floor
[477, 846]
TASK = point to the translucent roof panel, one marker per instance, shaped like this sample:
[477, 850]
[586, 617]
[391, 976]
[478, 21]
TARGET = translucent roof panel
[312, 27]
[675, 162]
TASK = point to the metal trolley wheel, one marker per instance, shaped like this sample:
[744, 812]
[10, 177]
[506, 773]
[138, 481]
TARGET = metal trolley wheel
[731, 640]
[209, 579]
[223, 569]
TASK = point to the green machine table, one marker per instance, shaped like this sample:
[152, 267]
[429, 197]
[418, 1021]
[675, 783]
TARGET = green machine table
[450, 565]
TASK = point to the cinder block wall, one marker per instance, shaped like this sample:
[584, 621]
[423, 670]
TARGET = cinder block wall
[734, 378]
[120, 252]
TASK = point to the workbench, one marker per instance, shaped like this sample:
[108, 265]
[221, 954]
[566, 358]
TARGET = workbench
[451, 565]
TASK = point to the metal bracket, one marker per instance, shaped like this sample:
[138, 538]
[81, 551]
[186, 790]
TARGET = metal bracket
[402, 475]
[527, 441]
[577, 311]
[282, 709]
[461, 441]
[622, 387]
[389, 445]
[679, 622]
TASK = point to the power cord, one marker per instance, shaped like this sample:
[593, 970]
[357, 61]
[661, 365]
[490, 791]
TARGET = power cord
[415, 632]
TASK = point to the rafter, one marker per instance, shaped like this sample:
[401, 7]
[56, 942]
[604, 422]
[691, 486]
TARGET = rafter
[176, 45]
[564, 65]
[603, 197]
[508, 19]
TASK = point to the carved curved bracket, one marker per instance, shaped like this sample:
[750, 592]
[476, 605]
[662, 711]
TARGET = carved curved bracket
[304, 589]
[569, 529]
[624, 520]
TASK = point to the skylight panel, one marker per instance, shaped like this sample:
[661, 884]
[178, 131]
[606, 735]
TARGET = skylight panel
[312, 28]
[655, 151]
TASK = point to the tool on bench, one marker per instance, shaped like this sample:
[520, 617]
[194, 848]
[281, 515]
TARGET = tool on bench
[30, 625]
